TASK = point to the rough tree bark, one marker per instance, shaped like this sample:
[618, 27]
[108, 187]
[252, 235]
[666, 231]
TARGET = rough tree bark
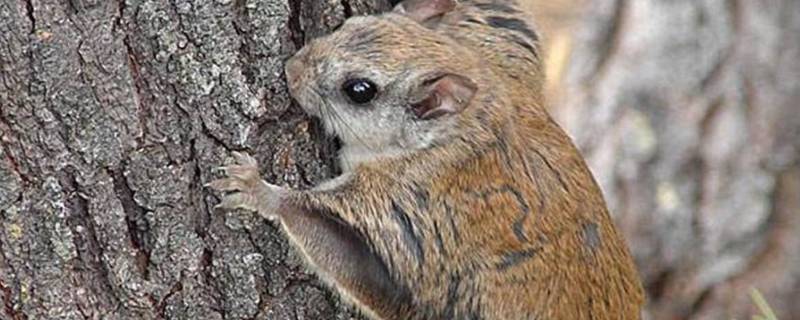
[689, 113]
[112, 117]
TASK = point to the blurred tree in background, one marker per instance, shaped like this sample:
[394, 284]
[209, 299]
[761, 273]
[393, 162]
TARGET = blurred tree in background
[688, 112]
[112, 114]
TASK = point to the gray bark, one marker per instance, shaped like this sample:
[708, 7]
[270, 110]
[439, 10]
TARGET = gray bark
[112, 116]
[689, 114]
[114, 113]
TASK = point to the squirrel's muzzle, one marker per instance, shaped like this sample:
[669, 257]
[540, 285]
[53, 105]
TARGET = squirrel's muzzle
[294, 70]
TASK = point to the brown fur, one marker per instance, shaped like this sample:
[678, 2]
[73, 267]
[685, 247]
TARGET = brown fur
[498, 218]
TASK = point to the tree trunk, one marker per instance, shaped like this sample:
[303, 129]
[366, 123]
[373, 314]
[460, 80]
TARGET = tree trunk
[113, 115]
[689, 114]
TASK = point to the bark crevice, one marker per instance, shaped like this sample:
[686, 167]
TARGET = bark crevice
[135, 219]
[29, 8]
[90, 250]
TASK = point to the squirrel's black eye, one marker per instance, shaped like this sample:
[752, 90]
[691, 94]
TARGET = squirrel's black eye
[360, 91]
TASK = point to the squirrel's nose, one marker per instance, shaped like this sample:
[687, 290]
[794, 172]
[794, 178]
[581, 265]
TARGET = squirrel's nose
[294, 68]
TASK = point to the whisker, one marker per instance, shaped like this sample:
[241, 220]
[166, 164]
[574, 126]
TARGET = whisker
[333, 113]
[327, 112]
[353, 131]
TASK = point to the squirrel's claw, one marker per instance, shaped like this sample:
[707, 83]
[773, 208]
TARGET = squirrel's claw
[237, 201]
[244, 158]
[227, 184]
[243, 177]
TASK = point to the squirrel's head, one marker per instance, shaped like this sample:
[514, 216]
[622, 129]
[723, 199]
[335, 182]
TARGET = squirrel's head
[388, 82]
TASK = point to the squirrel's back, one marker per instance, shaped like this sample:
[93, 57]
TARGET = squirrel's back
[505, 35]
[572, 217]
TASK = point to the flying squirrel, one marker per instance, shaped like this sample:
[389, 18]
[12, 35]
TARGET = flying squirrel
[460, 197]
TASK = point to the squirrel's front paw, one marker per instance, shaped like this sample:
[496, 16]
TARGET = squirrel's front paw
[243, 184]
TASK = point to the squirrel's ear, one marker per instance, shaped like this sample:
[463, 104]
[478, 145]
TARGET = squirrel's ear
[444, 94]
[423, 10]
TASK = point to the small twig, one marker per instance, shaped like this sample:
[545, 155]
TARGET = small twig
[763, 306]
